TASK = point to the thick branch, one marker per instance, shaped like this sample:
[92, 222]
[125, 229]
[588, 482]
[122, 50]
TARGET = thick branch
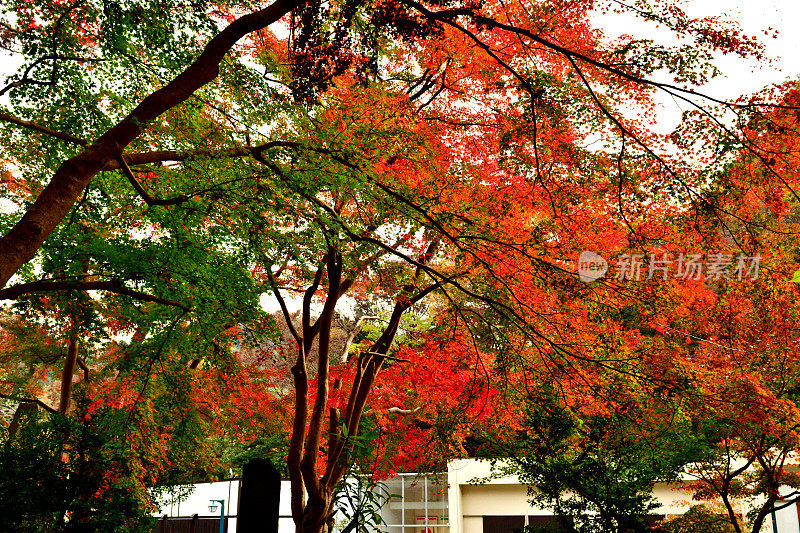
[114, 285]
[323, 325]
[149, 200]
[66, 375]
[161, 156]
[28, 400]
[84, 368]
[20, 244]
[366, 374]
[362, 385]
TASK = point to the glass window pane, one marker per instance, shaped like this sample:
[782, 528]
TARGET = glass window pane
[390, 493]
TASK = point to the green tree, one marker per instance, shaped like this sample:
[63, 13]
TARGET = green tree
[698, 519]
[597, 471]
[69, 476]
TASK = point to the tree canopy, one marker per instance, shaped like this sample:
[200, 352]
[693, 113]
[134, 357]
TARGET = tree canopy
[410, 186]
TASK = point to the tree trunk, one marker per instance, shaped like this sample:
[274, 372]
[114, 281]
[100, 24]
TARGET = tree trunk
[66, 375]
[24, 410]
[312, 495]
[316, 513]
[763, 513]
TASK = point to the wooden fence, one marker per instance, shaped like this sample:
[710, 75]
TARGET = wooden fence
[193, 524]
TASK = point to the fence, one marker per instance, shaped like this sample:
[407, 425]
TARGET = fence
[193, 524]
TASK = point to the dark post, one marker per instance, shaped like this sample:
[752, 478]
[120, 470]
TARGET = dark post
[259, 498]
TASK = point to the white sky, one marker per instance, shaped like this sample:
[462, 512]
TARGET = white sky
[738, 76]
[755, 16]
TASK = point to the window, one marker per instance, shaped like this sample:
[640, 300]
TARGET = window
[503, 524]
[546, 523]
[415, 504]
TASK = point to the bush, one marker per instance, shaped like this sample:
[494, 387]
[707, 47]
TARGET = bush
[698, 519]
[55, 480]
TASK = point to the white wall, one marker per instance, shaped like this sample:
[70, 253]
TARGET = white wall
[474, 494]
[471, 496]
[787, 519]
[198, 500]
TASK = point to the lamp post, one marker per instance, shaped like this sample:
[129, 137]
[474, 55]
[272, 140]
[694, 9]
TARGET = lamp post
[774, 519]
[213, 508]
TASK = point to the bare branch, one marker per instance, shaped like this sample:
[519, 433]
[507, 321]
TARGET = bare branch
[356, 330]
[403, 412]
[286, 315]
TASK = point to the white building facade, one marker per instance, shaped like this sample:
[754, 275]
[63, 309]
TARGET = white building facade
[468, 498]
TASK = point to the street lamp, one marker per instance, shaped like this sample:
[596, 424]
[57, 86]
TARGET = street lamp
[213, 508]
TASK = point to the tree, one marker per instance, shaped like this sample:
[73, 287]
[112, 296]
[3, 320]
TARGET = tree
[406, 149]
[90, 474]
[742, 351]
[593, 454]
[697, 519]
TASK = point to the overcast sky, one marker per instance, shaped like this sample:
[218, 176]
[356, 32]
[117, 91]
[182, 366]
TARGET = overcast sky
[755, 16]
[739, 76]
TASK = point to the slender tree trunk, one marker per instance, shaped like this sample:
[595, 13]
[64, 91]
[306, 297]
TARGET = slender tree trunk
[295, 454]
[313, 514]
[763, 513]
[67, 374]
[731, 513]
[318, 508]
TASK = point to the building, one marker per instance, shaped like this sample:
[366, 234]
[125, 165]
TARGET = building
[501, 504]
[465, 499]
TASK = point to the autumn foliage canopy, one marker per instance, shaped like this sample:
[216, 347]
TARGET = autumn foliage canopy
[346, 235]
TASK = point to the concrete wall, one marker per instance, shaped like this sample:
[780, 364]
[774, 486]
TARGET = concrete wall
[474, 493]
[198, 500]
